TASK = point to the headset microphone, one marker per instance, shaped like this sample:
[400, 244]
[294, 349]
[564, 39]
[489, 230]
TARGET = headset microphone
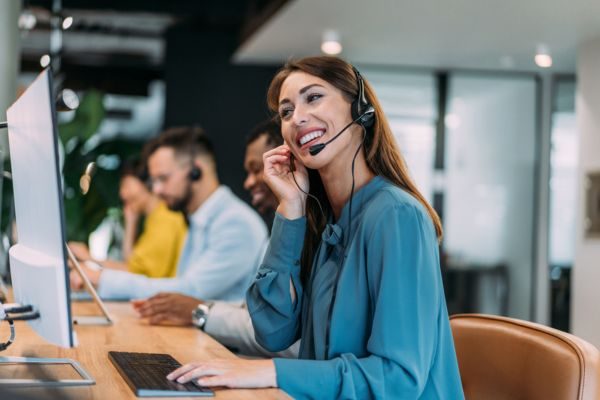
[317, 148]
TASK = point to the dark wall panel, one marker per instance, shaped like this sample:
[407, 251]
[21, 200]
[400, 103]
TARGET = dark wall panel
[205, 88]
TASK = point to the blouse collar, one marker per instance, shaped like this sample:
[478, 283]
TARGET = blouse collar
[333, 233]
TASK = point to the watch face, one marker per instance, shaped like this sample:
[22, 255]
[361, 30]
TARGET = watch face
[199, 315]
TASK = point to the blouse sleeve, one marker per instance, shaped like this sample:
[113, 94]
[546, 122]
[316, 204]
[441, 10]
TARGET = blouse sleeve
[275, 316]
[405, 286]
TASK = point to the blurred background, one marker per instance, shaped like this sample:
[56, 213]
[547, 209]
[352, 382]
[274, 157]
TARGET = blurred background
[495, 107]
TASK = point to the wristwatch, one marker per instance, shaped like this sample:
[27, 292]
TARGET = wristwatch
[200, 315]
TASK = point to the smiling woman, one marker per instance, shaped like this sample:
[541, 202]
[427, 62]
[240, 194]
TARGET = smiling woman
[361, 286]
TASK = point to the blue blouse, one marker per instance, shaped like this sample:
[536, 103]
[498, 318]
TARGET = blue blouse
[389, 333]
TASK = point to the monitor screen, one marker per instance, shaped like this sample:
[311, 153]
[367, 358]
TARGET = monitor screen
[39, 270]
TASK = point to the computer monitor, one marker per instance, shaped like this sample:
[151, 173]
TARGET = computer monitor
[38, 261]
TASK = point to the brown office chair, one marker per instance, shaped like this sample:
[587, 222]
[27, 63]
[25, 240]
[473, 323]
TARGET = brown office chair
[505, 358]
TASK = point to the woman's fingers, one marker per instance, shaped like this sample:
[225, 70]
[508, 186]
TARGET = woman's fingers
[193, 371]
[231, 373]
[181, 371]
[199, 372]
[278, 159]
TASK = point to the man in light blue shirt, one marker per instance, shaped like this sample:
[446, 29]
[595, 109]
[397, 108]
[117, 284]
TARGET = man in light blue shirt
[225, 235]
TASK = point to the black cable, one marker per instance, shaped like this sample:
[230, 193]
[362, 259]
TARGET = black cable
[16, 312]
[339, 270]
[3, 125]
[352, 190]
[292, 170]
[11, 339]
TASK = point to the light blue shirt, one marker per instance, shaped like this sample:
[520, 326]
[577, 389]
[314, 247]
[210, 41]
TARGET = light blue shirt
[224, 243]
[389, 334]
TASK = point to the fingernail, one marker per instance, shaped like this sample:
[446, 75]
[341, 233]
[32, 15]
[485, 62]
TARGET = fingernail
[181, 380]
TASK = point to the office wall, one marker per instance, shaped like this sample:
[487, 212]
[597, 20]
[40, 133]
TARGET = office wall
[585, 320]
[205, 88]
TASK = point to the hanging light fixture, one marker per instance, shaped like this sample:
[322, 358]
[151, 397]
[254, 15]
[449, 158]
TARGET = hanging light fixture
[330, 43]
[542, 58]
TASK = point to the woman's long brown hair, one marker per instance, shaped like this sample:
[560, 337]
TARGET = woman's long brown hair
[381, 151]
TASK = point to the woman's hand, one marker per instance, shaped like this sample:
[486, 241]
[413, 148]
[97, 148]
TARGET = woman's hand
[80, 251]
[235, 373]
[280, 178]
[130, 215]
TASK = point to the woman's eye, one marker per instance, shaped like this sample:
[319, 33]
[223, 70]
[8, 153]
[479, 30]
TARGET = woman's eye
[313, 96]
[285, 112]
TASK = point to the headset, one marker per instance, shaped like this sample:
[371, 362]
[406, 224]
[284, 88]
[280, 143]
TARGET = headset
[195, 173]
[361, 110]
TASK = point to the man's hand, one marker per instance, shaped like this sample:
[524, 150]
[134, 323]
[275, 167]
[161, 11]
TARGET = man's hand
[80, 250]
[167, 308]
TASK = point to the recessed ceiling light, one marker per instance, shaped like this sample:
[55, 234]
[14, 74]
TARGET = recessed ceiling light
[45, 60]
[27, 20]
[67, 22]
[543, 59]
[331, 43]
[69, 98]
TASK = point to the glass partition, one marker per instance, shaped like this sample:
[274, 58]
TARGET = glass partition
[489, 184]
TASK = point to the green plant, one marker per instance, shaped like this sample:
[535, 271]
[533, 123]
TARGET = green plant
[83, 213]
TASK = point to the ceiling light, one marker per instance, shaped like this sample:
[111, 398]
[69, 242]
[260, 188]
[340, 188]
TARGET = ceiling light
[45, 60]
[67, 22]
[543, 59]
[69, 98]
[331, 43]
[27, 20]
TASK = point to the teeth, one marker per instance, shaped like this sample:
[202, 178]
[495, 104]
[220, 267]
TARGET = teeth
[313, 135]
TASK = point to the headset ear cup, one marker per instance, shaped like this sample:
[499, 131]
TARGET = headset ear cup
[356, 110]
[360, 108]
[195, 174]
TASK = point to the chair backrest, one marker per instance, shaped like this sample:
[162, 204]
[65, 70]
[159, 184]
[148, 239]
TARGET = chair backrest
[505, 358]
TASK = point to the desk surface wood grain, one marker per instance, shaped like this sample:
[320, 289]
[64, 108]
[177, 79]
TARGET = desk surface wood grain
[128, 333]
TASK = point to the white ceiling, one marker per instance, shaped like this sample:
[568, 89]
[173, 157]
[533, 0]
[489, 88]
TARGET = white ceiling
[475, 34]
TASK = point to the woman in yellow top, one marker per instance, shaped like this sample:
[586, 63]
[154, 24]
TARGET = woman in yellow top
[156, 251]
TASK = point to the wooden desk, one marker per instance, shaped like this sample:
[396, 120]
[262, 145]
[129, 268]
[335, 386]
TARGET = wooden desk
[128, 333]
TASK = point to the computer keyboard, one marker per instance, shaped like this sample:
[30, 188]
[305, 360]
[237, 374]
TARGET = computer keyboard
[146, 374]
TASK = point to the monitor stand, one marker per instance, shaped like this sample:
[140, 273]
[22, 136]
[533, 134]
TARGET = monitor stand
[45, 380]
[105, 319]
[37, 366]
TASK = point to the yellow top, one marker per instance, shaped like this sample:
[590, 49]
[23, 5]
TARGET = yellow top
[156, 252]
